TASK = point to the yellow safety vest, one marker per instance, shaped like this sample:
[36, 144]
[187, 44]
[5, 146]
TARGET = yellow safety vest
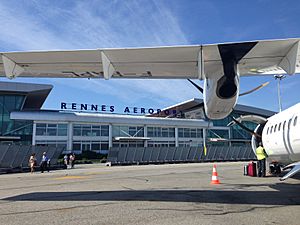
[260, 153]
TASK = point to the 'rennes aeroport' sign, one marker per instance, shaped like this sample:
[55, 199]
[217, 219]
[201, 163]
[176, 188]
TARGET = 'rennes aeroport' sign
[112, 109]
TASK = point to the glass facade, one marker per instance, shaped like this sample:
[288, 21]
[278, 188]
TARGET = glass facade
[190, 133]
[58, 144]
[49, 129]
[236, 131]
[128, 131]
[126, 144]
[161, 143]
[217, 133]
[190, 143]
[160, 132]
[237, 135]
[90, 130]
[95, 137]
[90, 137]
[12, 128]
[96, 146]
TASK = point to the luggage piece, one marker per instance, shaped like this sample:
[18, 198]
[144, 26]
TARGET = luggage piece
[252, 169]
[245, 170]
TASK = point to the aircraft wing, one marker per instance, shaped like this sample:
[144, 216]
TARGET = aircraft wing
[194, 62]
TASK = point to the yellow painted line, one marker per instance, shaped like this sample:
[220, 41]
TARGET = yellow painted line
[70, 177]
[96, 173]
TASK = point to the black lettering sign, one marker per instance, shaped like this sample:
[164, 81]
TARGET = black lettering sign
[94, 107]
[111, 108]
[83, 107]
[151, 111]
[63, 105]
[74, 106]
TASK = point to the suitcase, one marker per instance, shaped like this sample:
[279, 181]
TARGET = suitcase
[252, 169]
[245, 170]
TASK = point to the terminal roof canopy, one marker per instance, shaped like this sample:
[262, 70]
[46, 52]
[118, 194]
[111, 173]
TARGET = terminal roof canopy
[197, 61]
[35, 94]
[182, 108]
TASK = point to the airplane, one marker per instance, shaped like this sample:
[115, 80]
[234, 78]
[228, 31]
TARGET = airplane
[219, 65]
[279, 135]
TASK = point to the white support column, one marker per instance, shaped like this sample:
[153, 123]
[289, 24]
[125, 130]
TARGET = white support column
[70, 136]
[176, 137]
[145, 135]
[110, 143]
[33, 133]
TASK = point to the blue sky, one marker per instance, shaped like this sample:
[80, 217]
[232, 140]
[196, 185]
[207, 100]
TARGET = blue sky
[58, 24]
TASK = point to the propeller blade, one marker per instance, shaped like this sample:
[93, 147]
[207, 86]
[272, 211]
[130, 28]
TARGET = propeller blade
[196, 85]
[244, 127]
[255, 89]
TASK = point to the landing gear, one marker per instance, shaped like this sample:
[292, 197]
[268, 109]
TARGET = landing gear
[275, 168]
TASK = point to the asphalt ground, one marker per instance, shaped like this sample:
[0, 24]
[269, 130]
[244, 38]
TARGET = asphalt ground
[152, 194]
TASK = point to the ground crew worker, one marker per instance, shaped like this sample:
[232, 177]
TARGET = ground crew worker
[261, 157]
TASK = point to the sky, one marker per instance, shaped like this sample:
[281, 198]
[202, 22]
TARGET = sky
[65, 24]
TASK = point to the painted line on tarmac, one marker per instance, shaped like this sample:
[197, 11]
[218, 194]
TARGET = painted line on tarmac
[96, 173]
[70, 177]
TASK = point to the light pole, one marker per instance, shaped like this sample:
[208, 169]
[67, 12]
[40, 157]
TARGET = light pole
[279, 77]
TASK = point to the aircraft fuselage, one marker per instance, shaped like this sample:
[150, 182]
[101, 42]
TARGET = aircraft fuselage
[281, 135]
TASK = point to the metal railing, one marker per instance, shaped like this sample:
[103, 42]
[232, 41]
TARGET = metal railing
[150, 155]
[17, 156]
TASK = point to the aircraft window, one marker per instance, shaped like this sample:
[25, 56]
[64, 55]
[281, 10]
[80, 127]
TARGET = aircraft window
[275, 128]
[295, 121]
[289, 125]
[268, 130]
[279, 126]
[271, 129]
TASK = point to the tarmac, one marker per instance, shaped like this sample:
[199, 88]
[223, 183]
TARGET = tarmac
[148, 194]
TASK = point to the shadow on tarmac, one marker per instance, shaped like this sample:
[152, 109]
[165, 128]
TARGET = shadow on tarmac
[284, 194]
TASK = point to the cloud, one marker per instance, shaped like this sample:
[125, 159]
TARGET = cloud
[87, 24]
[19, 31]
[97, 24]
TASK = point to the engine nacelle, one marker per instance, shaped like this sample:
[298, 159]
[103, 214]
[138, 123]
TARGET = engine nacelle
[220, 96]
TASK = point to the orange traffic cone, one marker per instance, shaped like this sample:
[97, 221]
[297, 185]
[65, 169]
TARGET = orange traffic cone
[214, 177]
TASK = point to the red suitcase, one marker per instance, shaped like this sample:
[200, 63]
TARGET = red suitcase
[252, 169]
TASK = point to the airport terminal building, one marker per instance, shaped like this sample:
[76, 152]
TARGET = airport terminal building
[183, 125]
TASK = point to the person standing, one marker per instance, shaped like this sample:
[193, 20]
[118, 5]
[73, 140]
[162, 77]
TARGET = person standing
[261, 157]
[44, 162]
[73, 160]
[66, 161]
[32, 162]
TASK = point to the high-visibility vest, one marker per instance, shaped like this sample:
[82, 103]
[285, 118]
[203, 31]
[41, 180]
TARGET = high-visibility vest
[260, 153]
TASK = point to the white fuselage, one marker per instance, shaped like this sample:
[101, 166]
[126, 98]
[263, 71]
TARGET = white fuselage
[281, 135]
